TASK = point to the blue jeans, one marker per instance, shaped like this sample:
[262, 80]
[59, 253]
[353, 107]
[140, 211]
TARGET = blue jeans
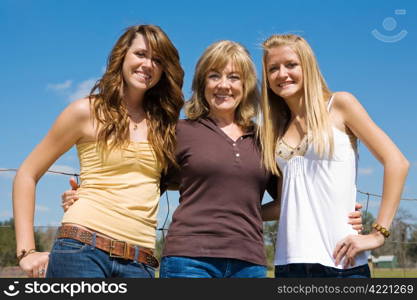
[209, 267]
[318, 270]
[71, 259]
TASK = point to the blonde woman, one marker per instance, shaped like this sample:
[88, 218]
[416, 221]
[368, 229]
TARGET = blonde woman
[309, 137]
[125, 137]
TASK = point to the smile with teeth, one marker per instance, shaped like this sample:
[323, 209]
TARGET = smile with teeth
[222, 96]
[143, 75]
[285, 84]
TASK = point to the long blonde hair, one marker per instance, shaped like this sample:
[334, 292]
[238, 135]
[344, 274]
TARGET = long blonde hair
[216, 57]
[276, 113]
[162, 103]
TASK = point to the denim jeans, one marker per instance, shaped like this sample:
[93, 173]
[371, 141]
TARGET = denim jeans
[318, 270]
[209, 267]
[71, 259]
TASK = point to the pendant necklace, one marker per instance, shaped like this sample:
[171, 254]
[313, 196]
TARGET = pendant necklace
[135, 125]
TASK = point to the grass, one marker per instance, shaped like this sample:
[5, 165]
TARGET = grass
[394, 273]
[376, 273]
[380, 273]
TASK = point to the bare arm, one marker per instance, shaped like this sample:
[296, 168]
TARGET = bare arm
[395, 171]
[65, 132]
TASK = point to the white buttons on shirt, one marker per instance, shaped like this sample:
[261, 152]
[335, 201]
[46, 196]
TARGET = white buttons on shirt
[237, 154]
[234, 144]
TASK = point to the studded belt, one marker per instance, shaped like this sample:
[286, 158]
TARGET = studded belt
[115, 248]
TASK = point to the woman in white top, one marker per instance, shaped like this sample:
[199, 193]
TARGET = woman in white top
[310, 134]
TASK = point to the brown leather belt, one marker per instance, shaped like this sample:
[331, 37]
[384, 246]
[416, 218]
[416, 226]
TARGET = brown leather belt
[115, 248]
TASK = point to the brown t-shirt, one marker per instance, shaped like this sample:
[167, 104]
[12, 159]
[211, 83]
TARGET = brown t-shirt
[221, 184]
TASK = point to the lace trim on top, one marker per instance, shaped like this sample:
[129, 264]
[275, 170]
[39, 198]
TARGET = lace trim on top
[287, 152]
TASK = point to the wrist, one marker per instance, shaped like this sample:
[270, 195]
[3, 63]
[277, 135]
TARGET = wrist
[23, 253]
[381, 229]
[379, 237]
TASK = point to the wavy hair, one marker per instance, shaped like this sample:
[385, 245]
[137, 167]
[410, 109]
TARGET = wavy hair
[276, 113]
[162, 103]
[216, 57]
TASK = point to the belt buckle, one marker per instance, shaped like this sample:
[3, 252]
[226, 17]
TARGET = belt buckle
[112, 247]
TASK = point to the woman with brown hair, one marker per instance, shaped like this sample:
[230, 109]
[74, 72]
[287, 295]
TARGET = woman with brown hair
[124, 132]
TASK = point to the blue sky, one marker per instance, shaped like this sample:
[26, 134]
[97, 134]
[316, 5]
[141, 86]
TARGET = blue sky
[52, 52]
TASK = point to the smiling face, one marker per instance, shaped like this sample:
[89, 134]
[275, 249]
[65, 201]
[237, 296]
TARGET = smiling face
[284, 73]
[142, 69]
[223, 89]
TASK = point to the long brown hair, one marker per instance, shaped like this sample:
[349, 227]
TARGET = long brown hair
[162, 103]
[216, 57]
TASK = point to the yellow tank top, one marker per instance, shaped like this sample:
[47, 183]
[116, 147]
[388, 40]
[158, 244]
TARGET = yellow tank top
[118, 195]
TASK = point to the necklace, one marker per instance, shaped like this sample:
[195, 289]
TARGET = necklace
[135, 125]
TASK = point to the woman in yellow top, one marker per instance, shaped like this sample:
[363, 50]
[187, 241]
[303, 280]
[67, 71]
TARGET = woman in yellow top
[124, 132]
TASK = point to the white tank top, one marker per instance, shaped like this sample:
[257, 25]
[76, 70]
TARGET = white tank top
[318, 193]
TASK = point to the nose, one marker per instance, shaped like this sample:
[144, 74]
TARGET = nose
[283, 72]
[148, 63]
[223, 83]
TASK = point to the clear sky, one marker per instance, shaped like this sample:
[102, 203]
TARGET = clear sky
[52, 51]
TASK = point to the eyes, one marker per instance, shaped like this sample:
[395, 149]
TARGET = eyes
[140, 54]
[157, 60]
[143, 54]
[289, 66]
[215, 76]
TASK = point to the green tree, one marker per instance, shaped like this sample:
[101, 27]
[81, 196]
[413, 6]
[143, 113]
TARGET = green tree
[7, 244]
[412, 247]
[367, 221]
[270, 238]
[159, 246]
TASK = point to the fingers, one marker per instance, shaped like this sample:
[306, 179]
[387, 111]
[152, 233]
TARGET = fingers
[348, 248]
[340, 252]
[355, 218]
[35, 265]
[73, 183]
[67, 205]
[68, 199]
[358, 228]
[42, 272]
[69, 195]
[39, 271]
[350, 258]
[358, 206]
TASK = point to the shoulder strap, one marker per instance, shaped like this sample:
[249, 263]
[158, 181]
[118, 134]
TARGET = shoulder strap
[329, 105]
